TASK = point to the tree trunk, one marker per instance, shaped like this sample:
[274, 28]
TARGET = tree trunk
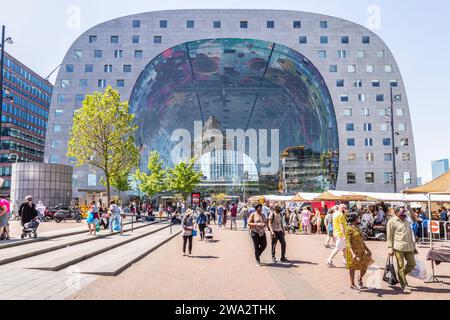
[108, 190]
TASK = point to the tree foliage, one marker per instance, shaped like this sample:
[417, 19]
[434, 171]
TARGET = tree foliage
[102, 136]
[154, 181]
[183, 178]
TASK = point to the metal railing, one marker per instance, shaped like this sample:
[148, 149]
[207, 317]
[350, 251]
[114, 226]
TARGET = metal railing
[441, 232]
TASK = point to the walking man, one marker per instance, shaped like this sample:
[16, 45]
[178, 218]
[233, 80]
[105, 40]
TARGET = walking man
[401, 244]
[234, 211]
[339, 227]
[277, 233]
[244, 212]
[220, 212]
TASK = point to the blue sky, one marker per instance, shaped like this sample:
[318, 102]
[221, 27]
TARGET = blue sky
[416, 31]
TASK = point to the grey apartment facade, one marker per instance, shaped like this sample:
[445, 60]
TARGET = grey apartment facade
[311, 91]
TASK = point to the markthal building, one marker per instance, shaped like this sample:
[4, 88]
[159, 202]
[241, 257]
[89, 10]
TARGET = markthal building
[266, 100]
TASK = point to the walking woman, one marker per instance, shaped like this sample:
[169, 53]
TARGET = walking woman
[306, 220]
[187, 225]
[202, 221]
[257, 223]
[359, 256]
[329, 227]
[4, 221]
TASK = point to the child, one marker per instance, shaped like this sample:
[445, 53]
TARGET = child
[92, 219]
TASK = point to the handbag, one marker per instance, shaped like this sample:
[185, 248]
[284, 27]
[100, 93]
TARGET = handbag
[390, 276]
[194, 233]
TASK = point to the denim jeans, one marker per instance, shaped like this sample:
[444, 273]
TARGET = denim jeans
[245, 223]
[220, 220]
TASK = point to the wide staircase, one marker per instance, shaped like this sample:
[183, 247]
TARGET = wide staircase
[108, 254]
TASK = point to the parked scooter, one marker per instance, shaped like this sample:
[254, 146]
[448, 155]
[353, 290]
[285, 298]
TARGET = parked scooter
[72, 213]
[50, 212]
[375, 232]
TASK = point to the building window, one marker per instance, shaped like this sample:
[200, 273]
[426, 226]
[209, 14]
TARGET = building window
[322, 54]
[78, 54]
[108, 68]
[114, 39]
[393, 83]
[365, 39]
[386, 142]
[365, 112]
[351, 142]
[127, 68]
[404, 142]
[190, 24]
[303, 39]
[380, 97]
[244, 24]
[384, 127]
[368, 142]
[120, 83]
[406, 177]
[163, 24]
[102, 83]
[56, 144]
[65, 83]
[54, 158]
[351, 178]
[382, 112]
[358, 83]
[402, 127]
[406, 156]
[398, 98]
[388, 178]
[138, 54]
[367, 127]
[350, 127]
[135, 39]
[118, 53]
[324, 24]
[56, 128]
[58, 113]
[370, 68]
[361, 97]
[370, 177]
[344, 98]
[380, 54]
[370, 157]
[157, 39]
[388, 68]
[92, 180]
[92, 39]
[345, 39]
[89, 68]
[388, 157]
[217, 24]
[340, 83]
[297, 24]
[360, 54]
[270, 24]
[342, 54]
[60, 98]
[98, 54]
[352, 68]
[351, 156]
[83, 83]
[348, 112]
[400, 112]
[79, 98]
[69, 67]
[376, 83]
[136, 23]
[333, 68]
[323, 39]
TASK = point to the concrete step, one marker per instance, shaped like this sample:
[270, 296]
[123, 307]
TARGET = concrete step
[117, 260]
[16, 253]
[15, 242]
[59, 259]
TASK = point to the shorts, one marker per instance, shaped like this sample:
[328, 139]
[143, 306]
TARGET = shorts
[341, 243]
[331, 233]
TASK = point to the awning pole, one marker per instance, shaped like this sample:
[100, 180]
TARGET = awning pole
[429, 222]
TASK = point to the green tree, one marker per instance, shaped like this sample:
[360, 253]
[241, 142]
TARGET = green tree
[121, 182]
[155, 181]
[102, 136]
[183, 178]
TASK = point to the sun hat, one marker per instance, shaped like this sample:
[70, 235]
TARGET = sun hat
[189, 212]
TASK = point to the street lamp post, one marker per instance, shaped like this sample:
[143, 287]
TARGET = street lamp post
[390, 122]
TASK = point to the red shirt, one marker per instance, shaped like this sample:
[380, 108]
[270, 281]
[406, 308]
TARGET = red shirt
[234, 212]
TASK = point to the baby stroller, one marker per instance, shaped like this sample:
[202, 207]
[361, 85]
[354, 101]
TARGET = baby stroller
[209, 237]
[30, 229]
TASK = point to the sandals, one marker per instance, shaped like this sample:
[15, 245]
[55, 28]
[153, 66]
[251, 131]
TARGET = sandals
[355, 289]
[361, 286]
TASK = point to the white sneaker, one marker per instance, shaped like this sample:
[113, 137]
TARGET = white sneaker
[329, 264]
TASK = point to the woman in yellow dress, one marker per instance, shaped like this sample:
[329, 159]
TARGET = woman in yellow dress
[359, 257]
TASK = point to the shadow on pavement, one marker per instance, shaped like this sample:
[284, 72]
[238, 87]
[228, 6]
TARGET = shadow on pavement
[204, 257]
[303, 262]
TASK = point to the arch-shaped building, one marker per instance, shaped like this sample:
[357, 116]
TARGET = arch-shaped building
[284, 100]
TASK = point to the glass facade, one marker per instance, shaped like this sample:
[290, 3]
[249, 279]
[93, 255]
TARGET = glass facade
[269, 109]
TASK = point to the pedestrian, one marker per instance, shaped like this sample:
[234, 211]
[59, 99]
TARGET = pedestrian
[27, 211]
[257, 223]
[115, 221]
[41, 211]
[187, 225]
[233, 219]
[329, 226]
[277, 233]
[245, 214]
[359, 256]
[401, 244]
[294, 221]
[92, 219]
[339, 227]
[220, 212]
[4, 221]
[306, 220]
[202, 221]
[213, 210]
[225, 215]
